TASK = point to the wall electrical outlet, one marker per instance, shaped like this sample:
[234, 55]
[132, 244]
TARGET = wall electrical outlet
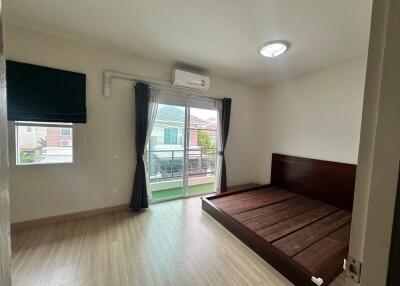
[114, 156]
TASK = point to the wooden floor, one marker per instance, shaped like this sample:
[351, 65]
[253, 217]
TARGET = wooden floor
[173, 243]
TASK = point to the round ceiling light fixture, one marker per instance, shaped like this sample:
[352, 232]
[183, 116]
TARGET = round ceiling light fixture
[273, 49]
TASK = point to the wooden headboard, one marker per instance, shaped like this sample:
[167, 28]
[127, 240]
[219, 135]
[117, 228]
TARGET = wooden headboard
[326, 181]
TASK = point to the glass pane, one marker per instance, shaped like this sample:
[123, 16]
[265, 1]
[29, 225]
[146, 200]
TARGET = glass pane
[201, 151]
[43, 145]
[165, 161]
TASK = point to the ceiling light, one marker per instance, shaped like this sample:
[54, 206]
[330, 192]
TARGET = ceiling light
[273, 49]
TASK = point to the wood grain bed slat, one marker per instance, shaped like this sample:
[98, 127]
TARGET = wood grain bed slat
[325, 257]
[283, 228]
[267, 198]
[227, 201]
[325, 252]
[266, 216]
[237, 198]
[295, 242]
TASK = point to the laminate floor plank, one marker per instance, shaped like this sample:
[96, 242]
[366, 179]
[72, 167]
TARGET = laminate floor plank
[172, 243]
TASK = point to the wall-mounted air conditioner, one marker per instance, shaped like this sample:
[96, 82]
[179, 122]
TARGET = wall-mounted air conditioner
[186, 79]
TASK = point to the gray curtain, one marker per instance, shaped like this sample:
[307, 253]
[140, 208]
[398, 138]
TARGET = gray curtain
[224, 132]
[139, 199]
[153, 107]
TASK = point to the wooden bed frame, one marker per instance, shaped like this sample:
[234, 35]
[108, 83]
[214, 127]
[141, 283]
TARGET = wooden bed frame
[300, 223]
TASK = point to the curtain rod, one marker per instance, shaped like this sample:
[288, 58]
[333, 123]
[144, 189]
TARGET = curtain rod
[156, 83]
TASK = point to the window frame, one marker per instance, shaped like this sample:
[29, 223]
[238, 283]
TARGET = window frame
[16, 124]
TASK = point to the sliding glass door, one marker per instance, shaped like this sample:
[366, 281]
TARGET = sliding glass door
[166, 149]
[181, 154]
[201, 150]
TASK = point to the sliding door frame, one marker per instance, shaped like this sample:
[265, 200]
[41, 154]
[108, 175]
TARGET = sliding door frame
[186, 151]
[185, 192]
[186, 155]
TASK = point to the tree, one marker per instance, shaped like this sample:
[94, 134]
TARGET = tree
[204, 141]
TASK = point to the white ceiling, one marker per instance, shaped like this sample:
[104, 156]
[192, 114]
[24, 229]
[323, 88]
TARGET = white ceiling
[217, 36]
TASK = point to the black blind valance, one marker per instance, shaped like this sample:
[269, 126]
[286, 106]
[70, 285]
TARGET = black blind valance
[37, 93]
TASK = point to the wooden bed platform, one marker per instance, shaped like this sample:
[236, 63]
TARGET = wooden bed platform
[300, 224]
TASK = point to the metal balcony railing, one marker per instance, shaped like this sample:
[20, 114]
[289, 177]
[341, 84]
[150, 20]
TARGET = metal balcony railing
[166, 165]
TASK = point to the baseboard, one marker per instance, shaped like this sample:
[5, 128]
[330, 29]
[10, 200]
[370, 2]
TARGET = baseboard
[78, 215]
[66, 217]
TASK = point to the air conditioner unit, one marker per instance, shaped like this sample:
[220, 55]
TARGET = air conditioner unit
[186, 79]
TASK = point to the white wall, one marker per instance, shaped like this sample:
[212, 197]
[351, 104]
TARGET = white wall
[42, 191]
[315, 116]
[377, 183]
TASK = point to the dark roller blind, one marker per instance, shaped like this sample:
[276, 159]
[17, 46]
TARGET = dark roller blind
[37, 93]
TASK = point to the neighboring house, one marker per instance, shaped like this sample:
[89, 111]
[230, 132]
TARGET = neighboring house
[38, 137]
[166, 145]
[44, 144]
[29, 137]
[59, 137]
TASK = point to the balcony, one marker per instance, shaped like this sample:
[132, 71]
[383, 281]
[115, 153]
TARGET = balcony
[167, 174]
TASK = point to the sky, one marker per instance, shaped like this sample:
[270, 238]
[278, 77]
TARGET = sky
[204, 113]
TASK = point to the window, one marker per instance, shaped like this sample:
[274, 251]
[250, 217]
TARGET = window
[43, 143]
[171, 136]
[65, 131]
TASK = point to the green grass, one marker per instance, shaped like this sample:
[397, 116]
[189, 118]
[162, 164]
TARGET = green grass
[26, 157]
[177, 192]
